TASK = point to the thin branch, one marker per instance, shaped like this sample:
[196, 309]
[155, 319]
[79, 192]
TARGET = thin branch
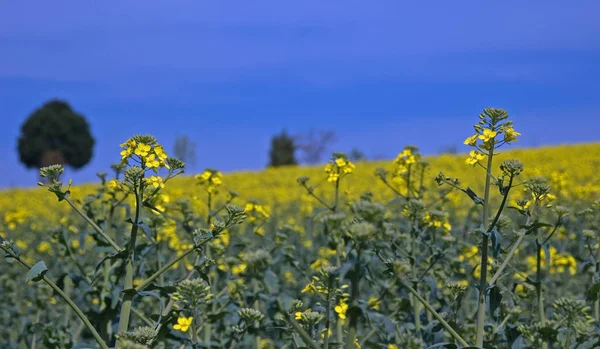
[94, 225]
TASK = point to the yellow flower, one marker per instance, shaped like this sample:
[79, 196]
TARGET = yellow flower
[374, 302]
[43, 247]
[238, 269]
[160, 152]
[310, 288]
[340, 165]
[487, 135]
[216, 180]
[52, 300]
[113, 184]
[340, 162]
[474, 157]
[142, 149]
[329, 334]
[341, 309]
[356, 343]
[21, 244]
[510, 134]
[183, 324]
[152, 161]
[463, 283]
[155, 181]
[471, 140]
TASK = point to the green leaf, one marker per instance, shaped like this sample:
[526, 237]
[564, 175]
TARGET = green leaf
[495, 237]
[495, 298]
[37, 272]
[146, 230]
[476, 199]
[121, 254]
[203, 275]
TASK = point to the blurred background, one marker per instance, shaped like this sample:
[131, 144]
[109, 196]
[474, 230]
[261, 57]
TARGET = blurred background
[220, 84]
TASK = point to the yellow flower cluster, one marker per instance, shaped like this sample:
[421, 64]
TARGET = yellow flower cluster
[155, 181]
[341, 309]
[338, 167]
[324, 254]
[559, 263]
[300, 314]
[484, 138]
[438, 221]
[474, 157]
[256, 212]
[406, 158]
[210, 179]
[146, 151]
[15, 217]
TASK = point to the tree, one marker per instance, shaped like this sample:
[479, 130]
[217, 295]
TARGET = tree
[185, 149]
[314, 146]
[357, 155]
[55, 134]
[283, 150]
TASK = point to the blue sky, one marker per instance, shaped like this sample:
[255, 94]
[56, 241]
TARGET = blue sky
[231, 74]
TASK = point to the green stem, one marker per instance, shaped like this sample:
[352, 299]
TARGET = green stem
[597, 301]
[305, 336]
[256, 306]
[33, 338]
[94, 225]
[208, 326]
[338, 255]
[510, 254]
[353, 323]
[502, 323]
[129, 269]
[68, 288]
[435, 314]
[328, 313]
[415, 304]
[66, 298]
[166, 267]
[194, 330]
[484, 252]
[538, 288]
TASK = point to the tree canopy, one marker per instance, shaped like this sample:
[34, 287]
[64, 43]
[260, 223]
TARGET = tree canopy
[55, 133]
[283, 150]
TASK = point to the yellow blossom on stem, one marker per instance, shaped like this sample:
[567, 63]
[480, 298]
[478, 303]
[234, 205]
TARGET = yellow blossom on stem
[474, 157]
[510, 135]
[155, 181]
[183, 324]
[471, 140]
[341, 309]
[487, 135]
[142, 149]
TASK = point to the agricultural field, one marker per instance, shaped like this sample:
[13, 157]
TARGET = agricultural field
[382, 255]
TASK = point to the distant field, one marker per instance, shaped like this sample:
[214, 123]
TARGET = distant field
[572, 168]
